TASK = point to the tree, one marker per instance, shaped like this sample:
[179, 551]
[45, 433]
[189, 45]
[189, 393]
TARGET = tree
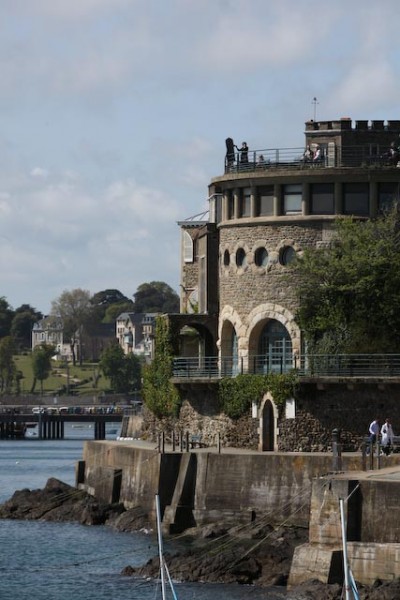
[124, 371]
[74, 308]
[6, 316]
[114, 310]
[21, 326]
[7, 365]
[108, 299]
[41, 364]
[349, 293]
[159, 393]
[156, 296]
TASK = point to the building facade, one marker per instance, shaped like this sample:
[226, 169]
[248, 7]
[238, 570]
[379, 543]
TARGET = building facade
[235, 290]
[135, 333]
[263, 214]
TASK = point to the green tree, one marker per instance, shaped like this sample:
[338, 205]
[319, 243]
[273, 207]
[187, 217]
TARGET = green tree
[156, 296]
[159, 393]
[21, 326]
[74, 308]
[114, 310]
[6, 317]
[108, 302]
[124, 371]
[349, 293]
[7, 365]
[41, 364]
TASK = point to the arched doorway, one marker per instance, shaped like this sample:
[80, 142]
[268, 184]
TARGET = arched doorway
[267, 427]
[275, 348]
[229, 350]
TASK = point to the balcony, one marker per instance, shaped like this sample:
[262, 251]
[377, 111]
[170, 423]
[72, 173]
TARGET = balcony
[270, 159]
[380, 366]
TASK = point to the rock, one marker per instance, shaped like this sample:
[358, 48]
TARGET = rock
[133, 519]
[58, 502]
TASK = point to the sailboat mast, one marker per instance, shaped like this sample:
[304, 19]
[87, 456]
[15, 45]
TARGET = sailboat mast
[160, 548]
[345, 558]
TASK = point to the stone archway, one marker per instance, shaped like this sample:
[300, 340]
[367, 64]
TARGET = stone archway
[268, 425]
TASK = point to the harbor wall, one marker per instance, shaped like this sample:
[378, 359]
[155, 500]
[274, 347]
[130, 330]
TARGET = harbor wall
[204, 486]
[371, 514]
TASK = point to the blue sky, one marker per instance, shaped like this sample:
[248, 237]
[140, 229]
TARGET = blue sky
[114, 114]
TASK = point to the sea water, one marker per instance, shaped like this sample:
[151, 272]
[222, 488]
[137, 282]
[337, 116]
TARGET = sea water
[67, 561]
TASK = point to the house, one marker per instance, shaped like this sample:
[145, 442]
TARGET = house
[50, 330]
[135, 333]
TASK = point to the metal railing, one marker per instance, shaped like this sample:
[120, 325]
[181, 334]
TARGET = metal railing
[367, 156]
[326, 365]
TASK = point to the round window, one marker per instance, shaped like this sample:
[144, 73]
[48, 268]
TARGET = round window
[261, 257]
[287, 255]
[226, 258]
[241, 260]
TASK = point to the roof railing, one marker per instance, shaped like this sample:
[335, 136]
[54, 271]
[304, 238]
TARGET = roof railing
[330, 155]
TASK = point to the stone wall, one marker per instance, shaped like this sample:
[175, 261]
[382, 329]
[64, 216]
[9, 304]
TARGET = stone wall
[247, 287]
[231, 487]
[319, 408]
[371, 511]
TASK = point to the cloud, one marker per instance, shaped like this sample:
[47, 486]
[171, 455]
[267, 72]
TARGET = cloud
[70, 234]
[70, 9]
[39, 173]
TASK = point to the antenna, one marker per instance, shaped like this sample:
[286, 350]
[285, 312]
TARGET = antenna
[315, 102]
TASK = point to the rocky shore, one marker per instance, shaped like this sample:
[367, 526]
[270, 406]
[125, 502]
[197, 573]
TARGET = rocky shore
[213, 554]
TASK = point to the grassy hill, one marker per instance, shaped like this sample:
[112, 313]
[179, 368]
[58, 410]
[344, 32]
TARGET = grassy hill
[81, 379]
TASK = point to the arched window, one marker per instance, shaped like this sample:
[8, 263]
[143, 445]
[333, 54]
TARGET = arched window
[287, 255]
[241, 259]
[274, 349]
[187, 247]
[261, 257]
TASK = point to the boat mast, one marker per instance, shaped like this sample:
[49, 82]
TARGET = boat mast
[345, 559]
[160, 548]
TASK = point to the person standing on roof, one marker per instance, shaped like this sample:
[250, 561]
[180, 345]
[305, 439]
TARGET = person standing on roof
[244, 153]
[387, 437]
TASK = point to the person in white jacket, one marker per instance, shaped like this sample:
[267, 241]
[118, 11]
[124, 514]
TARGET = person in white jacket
[387, 437]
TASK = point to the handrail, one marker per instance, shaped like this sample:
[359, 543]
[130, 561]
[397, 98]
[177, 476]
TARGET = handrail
[367, 156]
[312, 365]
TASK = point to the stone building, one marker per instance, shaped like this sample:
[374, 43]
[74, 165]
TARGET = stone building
[263, 212]
[135, 333]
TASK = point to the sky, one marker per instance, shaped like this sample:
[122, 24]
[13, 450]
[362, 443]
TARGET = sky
[114, 115]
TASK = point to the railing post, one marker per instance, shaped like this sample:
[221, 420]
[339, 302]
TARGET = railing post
[336, 451]
[159, 443]
[187, 441]
[219, 443]
[163, 442]
[181, 440]
[371, 455]
[364, 456]
[173, 440]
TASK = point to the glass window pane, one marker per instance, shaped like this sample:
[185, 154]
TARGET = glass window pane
[322, 199]
[356, 199]
[292, 197]
[389, 193]
[245, 203]
[265, 201]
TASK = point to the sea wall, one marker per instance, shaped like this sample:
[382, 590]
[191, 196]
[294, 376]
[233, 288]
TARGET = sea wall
[202, 487]
[371, 512]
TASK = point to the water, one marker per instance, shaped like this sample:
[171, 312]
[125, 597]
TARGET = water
[52, 561]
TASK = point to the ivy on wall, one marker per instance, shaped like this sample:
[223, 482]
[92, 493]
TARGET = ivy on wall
[159, 393]
[236, 394]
